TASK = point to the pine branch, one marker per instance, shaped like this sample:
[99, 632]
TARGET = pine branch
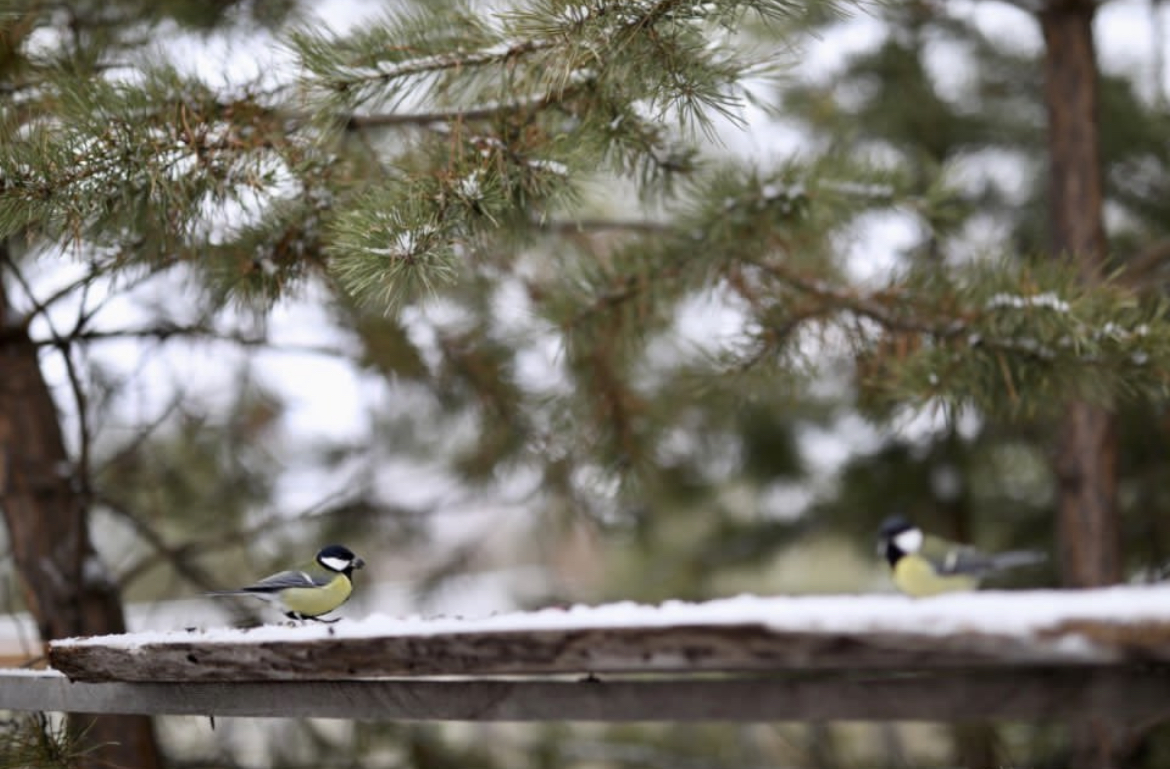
[383, 73]
[490, 111]
[646, 50]
[969, 335]
[575, 226]
[33, 739]
[1094, 342]
[135, 159]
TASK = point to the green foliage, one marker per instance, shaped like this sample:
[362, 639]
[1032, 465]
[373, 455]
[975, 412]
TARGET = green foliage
[387, 251]
[132, 163]
[548, 109]
[517, 217]
[265, 260]
[989, 339]
[1001, 336]
[37, 740]
[652, 51]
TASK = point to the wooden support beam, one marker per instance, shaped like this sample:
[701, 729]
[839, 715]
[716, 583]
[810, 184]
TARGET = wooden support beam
[1027, 694]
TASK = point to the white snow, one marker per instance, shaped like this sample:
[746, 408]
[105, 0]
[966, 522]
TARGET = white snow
[1047, 299]
[552, 166]
[29, 673]
[860, 189]
[1019, 614]
[575, 14]
[772, 191]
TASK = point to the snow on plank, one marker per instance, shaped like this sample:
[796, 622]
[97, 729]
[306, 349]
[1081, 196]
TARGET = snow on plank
[1106, 627]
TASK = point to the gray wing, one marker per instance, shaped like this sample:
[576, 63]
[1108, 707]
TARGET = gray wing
[967, 560]
[951, 558]
[284, 580]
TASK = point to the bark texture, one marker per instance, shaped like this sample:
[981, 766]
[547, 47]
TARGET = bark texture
[1086, 456]
[1086, 453]
[63, 582]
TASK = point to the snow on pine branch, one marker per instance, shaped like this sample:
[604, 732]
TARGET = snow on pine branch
[651, 46]
[1047, 299]
[344, 77]
[976, 340]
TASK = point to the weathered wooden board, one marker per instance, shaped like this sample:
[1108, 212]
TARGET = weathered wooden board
[1024, 694]
[658, 650]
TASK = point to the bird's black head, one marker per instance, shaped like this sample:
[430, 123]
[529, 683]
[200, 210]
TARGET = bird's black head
[896, 537]
[339, 558]
[893, 526]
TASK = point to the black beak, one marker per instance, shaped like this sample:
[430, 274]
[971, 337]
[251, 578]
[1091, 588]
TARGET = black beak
[357, 562]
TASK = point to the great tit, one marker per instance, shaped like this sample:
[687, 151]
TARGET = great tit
[923, 565]
[307, 594]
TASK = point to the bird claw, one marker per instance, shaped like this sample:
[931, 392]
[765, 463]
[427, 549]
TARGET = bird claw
[295, 618]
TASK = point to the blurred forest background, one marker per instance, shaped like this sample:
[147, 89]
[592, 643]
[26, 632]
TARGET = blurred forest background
[554, 302]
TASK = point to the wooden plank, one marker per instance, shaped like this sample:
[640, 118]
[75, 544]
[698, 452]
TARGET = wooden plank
[698, 648]
[1025, 694]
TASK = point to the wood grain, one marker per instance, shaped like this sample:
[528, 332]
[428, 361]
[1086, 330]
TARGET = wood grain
[1030, 694]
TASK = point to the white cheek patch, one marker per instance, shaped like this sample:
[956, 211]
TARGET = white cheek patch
[908, 541]
[336, 564]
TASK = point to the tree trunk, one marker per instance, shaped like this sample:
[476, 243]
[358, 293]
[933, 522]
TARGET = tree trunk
[1086, 456]
[64, 584]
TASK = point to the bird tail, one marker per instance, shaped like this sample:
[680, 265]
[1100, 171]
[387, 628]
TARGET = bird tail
[1016, 558]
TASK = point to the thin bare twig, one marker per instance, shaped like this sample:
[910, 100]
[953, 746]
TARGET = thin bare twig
[166, 332]
[176, 556]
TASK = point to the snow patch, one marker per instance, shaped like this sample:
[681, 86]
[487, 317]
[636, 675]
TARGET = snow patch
[1020, 614]
[1047, 299]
